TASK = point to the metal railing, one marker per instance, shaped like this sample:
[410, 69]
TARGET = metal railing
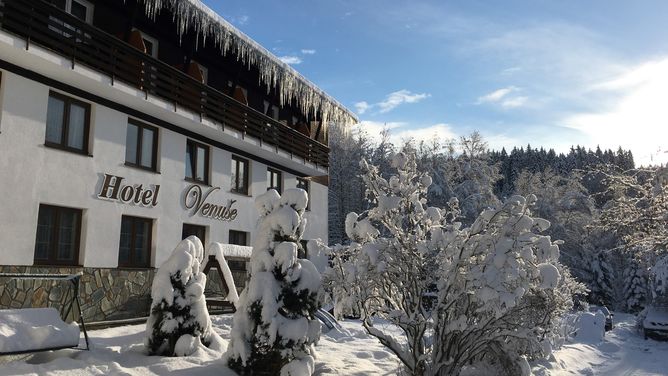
[47, 26]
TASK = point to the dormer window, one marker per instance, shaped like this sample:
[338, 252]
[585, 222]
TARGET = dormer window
[198, 72]
[80, 9]
[151, 44]
[145, 42]
[204, 72]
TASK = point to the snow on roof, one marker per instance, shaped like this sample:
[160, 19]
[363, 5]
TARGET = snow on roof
[193, 14]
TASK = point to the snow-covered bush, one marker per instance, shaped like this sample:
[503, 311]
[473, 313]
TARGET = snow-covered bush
[459, 295]
[275, 328]
[179, 322]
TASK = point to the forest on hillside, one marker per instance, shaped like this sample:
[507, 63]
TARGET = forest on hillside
[611, 216]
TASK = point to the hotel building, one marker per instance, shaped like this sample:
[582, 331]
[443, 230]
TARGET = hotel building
[127, 125]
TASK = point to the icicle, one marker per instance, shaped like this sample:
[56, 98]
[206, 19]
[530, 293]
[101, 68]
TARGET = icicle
[193, 14]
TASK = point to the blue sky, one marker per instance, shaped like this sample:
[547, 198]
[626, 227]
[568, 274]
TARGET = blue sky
[548, 73]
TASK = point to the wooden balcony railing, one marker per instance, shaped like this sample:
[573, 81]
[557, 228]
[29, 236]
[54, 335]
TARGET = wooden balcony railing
[43, 24]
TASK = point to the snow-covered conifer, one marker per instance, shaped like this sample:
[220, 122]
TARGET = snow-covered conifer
[602, 282]
[635, 286]
[179, 321]
[275, 328]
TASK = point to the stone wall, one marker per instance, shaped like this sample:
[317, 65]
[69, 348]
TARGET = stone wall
[105, 294]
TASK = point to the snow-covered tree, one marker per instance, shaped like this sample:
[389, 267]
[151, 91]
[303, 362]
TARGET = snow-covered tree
[635, 285]
[565, 202]
[602, 278]
[179, 322]
[458, 295]
[462, 170]
[659, 281]
[346, 190]
[638, 209]
[637, 214]
[275, 328]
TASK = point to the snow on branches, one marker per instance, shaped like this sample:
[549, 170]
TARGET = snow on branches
[457, 294]
[179, 322]
[275, 326]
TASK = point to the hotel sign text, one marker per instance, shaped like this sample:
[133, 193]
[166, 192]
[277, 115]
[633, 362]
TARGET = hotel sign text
[113, 189]
[194, 199]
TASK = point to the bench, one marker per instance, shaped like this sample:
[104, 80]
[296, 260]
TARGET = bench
[27, 330]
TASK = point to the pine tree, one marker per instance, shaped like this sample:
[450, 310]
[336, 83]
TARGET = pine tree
[603, 277]
[275, 327]
[635, 286]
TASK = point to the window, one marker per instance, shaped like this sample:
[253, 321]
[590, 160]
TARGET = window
[135, 244]
[274, 180]
[239, 175]
[271, 110]
[141, 145]
[199, 231]
[80, 9]
[67, 123]
[197, 162]
[150, 43]
[204, 72]
[58, 236]
[303, 183]
[237, 265]
[238, 237]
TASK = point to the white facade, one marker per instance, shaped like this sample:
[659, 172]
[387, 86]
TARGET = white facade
[32, 173]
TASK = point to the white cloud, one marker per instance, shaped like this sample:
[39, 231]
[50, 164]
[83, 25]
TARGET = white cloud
[439, 131]
[392, 101]
[504, 98]
[294, 60]
[636, 114]
[374, 129]
[239, 20]
[308, 52]
[361, 107]
[496, 95]
[399, 97]
[399, 132]
[514, 102]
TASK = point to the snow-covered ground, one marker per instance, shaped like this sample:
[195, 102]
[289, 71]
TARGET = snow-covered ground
[623, 351]
[116, 351]
[119, 351]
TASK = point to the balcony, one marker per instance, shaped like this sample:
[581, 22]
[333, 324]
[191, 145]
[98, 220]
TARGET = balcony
[47, 26]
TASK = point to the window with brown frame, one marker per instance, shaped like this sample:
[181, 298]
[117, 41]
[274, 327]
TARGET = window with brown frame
[197, 230]
[238, 237]
[80, 9]
[67, 123]
[274, 180]
[58, 236]
[135, 244]
[303, 183]
[239, 175]
[141, 145]
[197, 162]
